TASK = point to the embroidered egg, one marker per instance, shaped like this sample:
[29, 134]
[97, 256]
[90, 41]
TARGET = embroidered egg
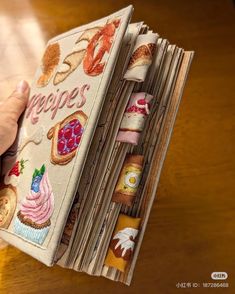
[132, 179]
[129, 179]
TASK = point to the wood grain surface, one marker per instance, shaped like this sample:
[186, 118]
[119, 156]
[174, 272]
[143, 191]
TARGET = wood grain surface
[191, 228]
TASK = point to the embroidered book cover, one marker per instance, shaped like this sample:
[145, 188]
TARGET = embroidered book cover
[78, 183]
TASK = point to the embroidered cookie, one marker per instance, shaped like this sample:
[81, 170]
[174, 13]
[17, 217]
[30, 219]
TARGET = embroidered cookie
[128, 180]
[122, 244]
[50, 61]
[66, 136]
[8, 200]
[33, 218]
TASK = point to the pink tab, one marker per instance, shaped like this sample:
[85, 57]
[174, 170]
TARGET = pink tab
[134, 118]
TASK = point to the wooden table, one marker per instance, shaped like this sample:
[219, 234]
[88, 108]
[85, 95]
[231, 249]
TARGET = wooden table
[191, 228]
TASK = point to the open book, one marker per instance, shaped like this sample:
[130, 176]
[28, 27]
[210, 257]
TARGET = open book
[78, 184]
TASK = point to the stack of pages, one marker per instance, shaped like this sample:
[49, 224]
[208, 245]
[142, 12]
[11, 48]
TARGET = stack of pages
[78, 184]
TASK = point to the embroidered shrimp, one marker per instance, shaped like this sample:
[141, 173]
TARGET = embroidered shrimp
[100, 43]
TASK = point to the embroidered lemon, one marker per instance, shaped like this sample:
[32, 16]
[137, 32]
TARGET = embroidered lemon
[132, 179]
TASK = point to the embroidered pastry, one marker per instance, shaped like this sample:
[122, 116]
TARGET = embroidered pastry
[134, 118]
[122, 244]
[74, 59]
[50, 61]
[100, 44]
[66, 136]
[142, 55]
[8, 200]
[33, 218]
[128, 180]
[89, 49]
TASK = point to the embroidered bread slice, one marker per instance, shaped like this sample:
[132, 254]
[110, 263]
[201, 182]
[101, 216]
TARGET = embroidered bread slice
[66, 136]
[70, 63]
[142, 55]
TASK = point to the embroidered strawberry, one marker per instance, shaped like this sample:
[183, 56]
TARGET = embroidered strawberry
[69, 137]
[17, 168]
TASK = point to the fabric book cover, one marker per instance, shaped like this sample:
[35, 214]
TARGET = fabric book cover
[79, 181]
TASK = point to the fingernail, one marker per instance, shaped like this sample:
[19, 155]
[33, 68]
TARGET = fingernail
[22, 86]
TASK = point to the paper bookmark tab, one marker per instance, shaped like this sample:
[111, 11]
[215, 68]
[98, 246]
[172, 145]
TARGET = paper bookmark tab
[134, 118]
[141, 57]
[122, 244]
[128, 180]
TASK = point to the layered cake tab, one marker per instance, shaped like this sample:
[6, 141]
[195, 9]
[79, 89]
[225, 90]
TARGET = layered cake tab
[134, 118]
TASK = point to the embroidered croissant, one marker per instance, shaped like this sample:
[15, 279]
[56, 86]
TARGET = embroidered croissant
[89, 49]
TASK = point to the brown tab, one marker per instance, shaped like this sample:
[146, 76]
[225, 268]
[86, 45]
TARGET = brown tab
[129, 179]
[123, 242]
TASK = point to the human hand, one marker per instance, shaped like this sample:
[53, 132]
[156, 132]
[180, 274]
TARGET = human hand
[11, 109]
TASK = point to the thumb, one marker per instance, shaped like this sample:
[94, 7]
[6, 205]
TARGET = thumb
[16, 103]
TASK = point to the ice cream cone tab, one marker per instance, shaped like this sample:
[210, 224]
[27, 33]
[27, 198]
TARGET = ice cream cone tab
[123, 241]
[128, 180]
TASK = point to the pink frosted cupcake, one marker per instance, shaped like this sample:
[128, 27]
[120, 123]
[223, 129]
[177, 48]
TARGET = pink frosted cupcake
[33, 218]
